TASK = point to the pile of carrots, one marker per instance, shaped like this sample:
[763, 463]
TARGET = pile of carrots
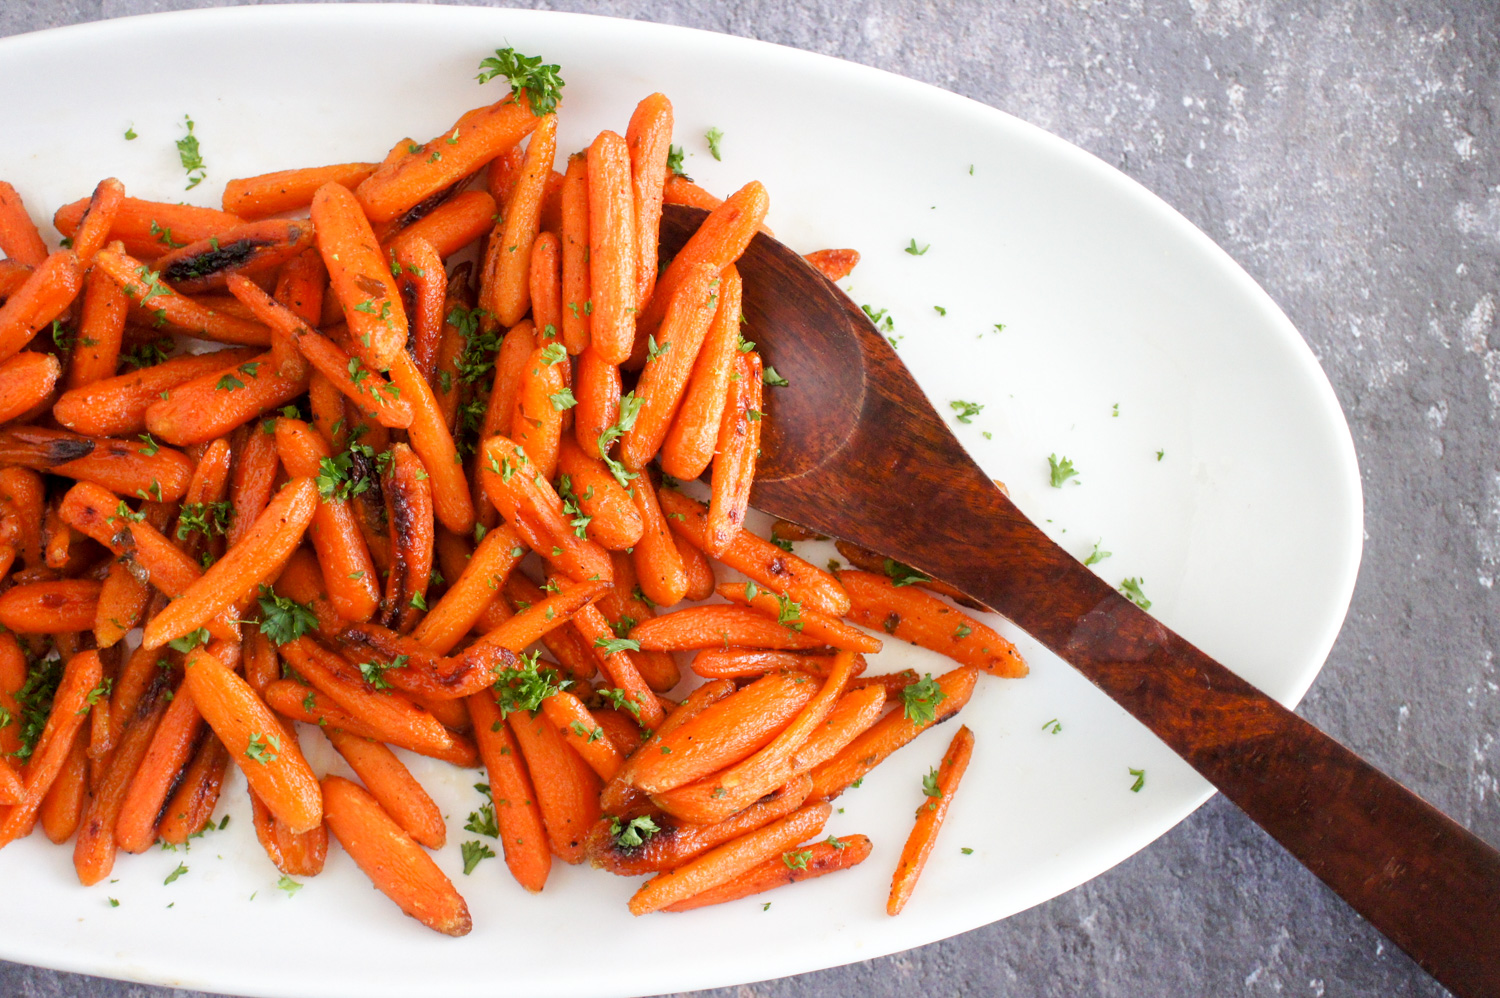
[336, 519]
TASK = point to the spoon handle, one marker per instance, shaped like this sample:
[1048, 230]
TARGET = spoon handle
[1418, 876]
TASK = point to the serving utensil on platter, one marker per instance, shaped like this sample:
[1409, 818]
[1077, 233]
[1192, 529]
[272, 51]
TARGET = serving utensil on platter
[853, 449]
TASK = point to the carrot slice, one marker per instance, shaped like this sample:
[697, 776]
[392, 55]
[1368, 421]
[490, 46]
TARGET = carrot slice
[834, 264]
[730, 860]
[912, 615]
[395, 864]
[930, 820]
[612, 248]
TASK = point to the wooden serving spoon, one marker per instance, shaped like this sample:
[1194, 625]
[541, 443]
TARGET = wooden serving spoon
[852, 422]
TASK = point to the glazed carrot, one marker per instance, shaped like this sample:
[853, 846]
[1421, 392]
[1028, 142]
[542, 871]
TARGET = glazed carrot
[761, 560]
[744, 663]
[64, 802]
[511, 479]
[395, 864]
[122, 602]
[116, 406]
[408, 498]
[929, 820]
[150, 228]
[301, 579]
[649, 137]
[49, 290]
[577, 314]
[94, 852]
[19, 238]
[531, 624]
[545, 282]
[912, 615]
[303, 703]
[478, 137]
[257, 556]
[834, 264]
[26, 380]
[121, 465]
[502, 174]
[619, 664]
[657, 561]
[734, 458]
[11, 787]
[13, 274]
[348, 571]
[727, 732]
[536, 423]
[48, 607]
[70, 706]
[143, 286]
[171, 747]
[871, 748]
[691, 440]
[424, 286]
[597, 389]
[299, 286]
[830, 630]
[613, 521]
[851, 717]
[723, 793]
[728, 861]
[368, 389]
[569, 802]
[287, 190]
[523, 837]
[433, 681]
[719, 626]
[192, 803]
[450, 226]
[13, 673]
[96, 352]
[815, 860]
[447, 380]
[390, 714]
[98, 218]
[574, 654]
[672, 349]
[612, 248]
[392, 784]
[623, 608]
[359, 275]
[293, 854]
[579, 730]
[468, 594]
[255, 740]
[250, 249]
[619, 795]
[21, 502]
[680, 190]
[214, 404]
[718, 242]
[504, 289]
[434, 445]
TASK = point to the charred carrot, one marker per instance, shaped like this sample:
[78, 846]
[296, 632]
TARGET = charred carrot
[522, 835]
[251, 249]
[127, 466]
[192, 803]
[94, 852]
[408, 497]
[433, 443]
[930, 820]
[392, 784]
[912, 615]
[150, 228]
[395, 864]
[360, 277]
[98, 218]
[796, 864]
[293, 854]
[745, 663]
[450, 226]
[144, 287]
[287, 190]
[122, 602]
[612, 248]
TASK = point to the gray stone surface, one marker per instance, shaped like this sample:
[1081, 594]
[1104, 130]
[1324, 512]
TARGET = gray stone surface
[1344, 153]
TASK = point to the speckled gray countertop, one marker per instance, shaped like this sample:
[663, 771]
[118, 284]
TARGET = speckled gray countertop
[1344, 153]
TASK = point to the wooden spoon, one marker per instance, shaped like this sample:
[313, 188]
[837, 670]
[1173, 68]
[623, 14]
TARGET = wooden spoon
[853, 449]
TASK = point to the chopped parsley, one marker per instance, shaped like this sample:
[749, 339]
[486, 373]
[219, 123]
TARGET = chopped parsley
[914, 250]
[34, 699]
[632, 834]
[652, 350]
[152, 448]
[1131, 587]
[1096, 555]
[1140, 780]
[563, 400]
[630, 409]
[229, 383]
[206, 518]
[288, 884]
[181, 869]
[483, 821]
[904, 575]
[553, 353]
[919, 700]
[713, 137]
[770, 377]
[788, 613]
[940, 310]
[796, 860]
[1062, 470]
[527, 685]
[374, 672]
[930, 783]
[473, 852]
[674, 161]
[191, 156]
[966, 410]
[1054, 726]
[130, 136]
[263, 748]
[282, 619]
[621, 700]
[540, 81]
[613, 646]
[190, 640]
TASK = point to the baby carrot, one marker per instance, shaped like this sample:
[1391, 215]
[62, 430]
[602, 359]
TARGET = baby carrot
[796, 864]
[536, 423]
[287, 190]
[214, 404]
[94, 852]
[690, 441]
[19, 238]
[429, 436]
[468, 595]
[718, 242]
[171, 747]
[719, 626]
[545, 281]
[658, 563]
[567, 794]
[522, 835]
[144, 288]
[26, 380]
[579, 730]
[912, 615]
[116, 406]
[360, 277]
[392, 784]
[450, 226]
[49, 290]
[649, 137]
[613, 521]
[805, 620]
[504, 283]
[734, 459]
[70, 707]
[612, 248]
[597, 389]
[930, 820]
[577, 314]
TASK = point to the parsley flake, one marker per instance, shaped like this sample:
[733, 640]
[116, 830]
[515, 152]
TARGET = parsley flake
[191, 157]
[713, 137]
[1132, 589]
[914, 250]
[541, 83]
[1140, 780]
[474, 852]
[966, 410]
[632, 834]
[919, 700]
[1062, 470]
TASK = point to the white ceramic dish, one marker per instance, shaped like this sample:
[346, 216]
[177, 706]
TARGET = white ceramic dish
[1107, 296]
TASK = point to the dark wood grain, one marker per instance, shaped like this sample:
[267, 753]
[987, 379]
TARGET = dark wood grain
[853, 449]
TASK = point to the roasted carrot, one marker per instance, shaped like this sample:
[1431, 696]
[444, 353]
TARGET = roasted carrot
[727, 732]
[478, 137]
[177, 312]
[348, 570]
[296, 855]
[813, 860]
[533, 623]
[510, 477]
[26, 380]
[567, 796]
[392, 784]
[19, 238]
[49, 290]
[612, 519]
[871, 748]
[623, 608]
[395, 864]
[759, 559]
[619, 664]
[64, 802]
[579, 729]
[214, 404]
[577, 314]
[690, 441]
[719, 627]
[612, 248]
[728, 861]
[70, 707]
[649, 137]
[251, 249]
[744, 663]
[359, 275]
[522, 835]
[96, 352]
[287, 190]
[257, 556]
[150, 228]
[124, 466]
[564, 643]
[21, 501]
[912, 615]
[122, 602]
[930, 820]
[505, 281]
[48, 607]
[619, 795]
[303, 703]
[192, 803]
[116, 406]
[832, 631]
[545, 282]
[450, 226]
[596, 387]
[433, 443]
[98, 218]
[171, 747]
[834, 264]
[94, 852]
[468, 595]
[734, 458]
[658, 564]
